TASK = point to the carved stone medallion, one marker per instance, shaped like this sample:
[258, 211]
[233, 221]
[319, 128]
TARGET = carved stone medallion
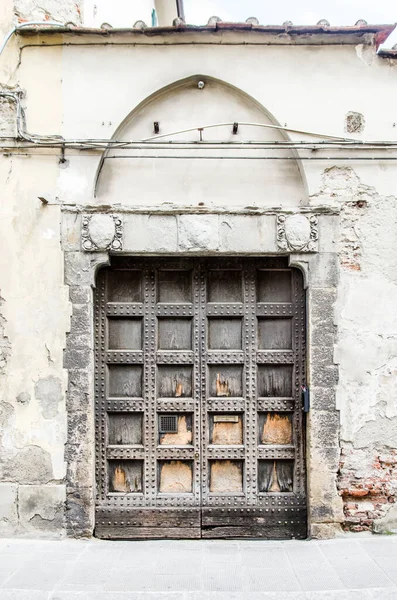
[297, 233]
[102, 232]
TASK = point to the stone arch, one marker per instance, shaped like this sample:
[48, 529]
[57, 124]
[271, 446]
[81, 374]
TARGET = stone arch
[225, 179]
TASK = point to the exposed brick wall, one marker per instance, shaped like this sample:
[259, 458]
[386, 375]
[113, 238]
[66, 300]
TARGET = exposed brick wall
[366, 498]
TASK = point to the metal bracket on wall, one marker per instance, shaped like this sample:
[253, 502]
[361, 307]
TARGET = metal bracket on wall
[305, 398]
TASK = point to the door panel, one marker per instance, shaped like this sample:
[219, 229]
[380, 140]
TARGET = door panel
[199, 427]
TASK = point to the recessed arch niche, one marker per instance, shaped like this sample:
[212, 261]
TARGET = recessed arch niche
[188, 175]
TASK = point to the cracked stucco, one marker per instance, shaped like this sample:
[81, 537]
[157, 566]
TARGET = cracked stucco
[366, 349]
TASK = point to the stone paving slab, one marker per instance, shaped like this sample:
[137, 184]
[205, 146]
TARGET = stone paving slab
[360, 568]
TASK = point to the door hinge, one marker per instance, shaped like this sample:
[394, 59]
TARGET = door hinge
[305, 399]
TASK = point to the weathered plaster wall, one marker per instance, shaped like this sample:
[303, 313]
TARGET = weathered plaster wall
[366, 348]
[33, 322]
[296, 85]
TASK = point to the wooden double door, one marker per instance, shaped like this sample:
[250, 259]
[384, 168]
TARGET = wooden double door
[200, 365]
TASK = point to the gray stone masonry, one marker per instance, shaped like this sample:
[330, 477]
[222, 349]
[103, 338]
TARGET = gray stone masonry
[206, 234]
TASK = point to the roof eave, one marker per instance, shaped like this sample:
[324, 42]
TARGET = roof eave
[351, 35]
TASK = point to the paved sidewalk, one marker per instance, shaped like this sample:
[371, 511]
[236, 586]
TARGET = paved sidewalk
[359, 568]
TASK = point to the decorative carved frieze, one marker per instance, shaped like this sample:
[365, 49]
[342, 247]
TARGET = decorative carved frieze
[102, 232]
[297, 233]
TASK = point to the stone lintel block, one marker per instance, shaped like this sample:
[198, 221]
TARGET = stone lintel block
[70, 231]
[150, 233]
[328, 233]
[246, 233]
[42, 509]
[325, 531]
[8, 508]
[323, 270]
[198, 233]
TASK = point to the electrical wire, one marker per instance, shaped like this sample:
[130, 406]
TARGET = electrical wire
[106, 144]
[27, 24]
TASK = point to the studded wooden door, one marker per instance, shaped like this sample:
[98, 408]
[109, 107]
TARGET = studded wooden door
[199, 422]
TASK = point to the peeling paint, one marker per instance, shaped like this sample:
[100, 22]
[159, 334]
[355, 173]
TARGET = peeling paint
[23, 398]
[175, 477]
[48, 392]
[5, 344]
[28, 465]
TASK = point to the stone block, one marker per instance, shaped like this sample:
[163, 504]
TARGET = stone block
[198, 233]
[322, 398]
[321, 302]
[323, 376]
[323, 270]
[150, 233]
[81, 319]
[323, 428]
[324, 456]
[42, 509]
[325, 531]
[246, 233]
[322, 333]
[388, 524]
[328, 233]
[79, 340]
[8, 508]
[79, 379]
[77, 358]
[81, 463]
[322, 355]
[324, 499]
[80, 518]
[70, 232]
[79, 427]
[77, 268]
[30, 465]
[80, 294]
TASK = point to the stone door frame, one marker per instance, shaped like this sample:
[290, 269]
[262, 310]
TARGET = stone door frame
[264, 234]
